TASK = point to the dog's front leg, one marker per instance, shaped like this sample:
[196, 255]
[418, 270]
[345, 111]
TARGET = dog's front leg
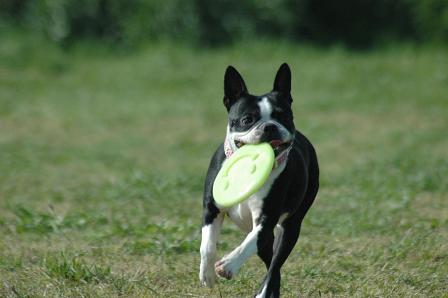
[229, 265]
[210, 233]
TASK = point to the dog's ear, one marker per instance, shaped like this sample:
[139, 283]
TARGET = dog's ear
[282, 82]
[234, 86]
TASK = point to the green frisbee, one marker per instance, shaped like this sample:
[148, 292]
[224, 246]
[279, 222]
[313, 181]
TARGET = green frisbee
[243, 174]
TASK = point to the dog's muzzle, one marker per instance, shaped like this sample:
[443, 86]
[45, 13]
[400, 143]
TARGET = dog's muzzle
[270, 132]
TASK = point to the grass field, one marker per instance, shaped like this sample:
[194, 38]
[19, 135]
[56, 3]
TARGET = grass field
[103, 155]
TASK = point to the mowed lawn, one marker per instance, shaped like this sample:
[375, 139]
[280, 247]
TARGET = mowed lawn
[103, 156]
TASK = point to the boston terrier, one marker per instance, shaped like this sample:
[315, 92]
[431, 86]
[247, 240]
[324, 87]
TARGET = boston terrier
[271, 218]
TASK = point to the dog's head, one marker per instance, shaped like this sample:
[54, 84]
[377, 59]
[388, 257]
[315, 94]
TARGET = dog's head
[255, 119]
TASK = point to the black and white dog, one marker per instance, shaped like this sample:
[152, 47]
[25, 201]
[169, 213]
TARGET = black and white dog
[271, 217]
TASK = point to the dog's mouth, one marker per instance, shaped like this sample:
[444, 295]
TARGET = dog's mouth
[278, 145]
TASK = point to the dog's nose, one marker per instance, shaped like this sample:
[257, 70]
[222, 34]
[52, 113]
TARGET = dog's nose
[270, 128]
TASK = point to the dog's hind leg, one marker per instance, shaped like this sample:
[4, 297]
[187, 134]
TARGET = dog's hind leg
[284, 244]
[266, 252]
[271, 284]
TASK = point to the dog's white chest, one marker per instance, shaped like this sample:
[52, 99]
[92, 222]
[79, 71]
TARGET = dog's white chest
[244, 214]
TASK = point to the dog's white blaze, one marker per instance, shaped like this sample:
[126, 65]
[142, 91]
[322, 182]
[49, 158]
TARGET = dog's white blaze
[265, 109]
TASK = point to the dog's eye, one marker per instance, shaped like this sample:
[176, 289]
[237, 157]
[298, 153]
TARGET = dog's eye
[246, 120]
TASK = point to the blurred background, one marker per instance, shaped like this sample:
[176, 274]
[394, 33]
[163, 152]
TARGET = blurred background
[110, 111]
[358, 24]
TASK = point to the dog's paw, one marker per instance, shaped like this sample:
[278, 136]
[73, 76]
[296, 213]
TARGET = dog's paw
[226, 268]
[207, 275]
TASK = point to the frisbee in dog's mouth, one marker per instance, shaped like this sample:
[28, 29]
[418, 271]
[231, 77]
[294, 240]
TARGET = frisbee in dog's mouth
[277, 145]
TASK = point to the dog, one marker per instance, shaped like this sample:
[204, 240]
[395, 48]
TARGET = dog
[271, 217]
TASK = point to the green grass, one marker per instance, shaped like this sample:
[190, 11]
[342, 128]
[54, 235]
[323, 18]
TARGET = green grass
[103, 155]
